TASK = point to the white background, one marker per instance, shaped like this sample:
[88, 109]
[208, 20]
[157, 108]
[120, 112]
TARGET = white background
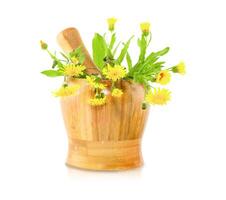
[184, 144]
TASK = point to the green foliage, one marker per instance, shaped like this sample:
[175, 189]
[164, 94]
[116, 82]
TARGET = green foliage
[116, 48]
[123, 51]
[65, 56]
[146, 68]
[99, 50]
[129, 61]
[142, 43]
[112, 42]
[56, 62]
[60, 63]
[76, 53]
[52, 73]
[104, 52]
[154, 56]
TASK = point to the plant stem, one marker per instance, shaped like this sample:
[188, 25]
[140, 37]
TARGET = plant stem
[112, 85]
[170, 68]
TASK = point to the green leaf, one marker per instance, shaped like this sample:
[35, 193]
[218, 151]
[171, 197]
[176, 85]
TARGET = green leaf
[142, 43]
[52, 73]
[112, 42]
[154, 56]
[59, 63]
[140, 78]
[54, 64]
[65, 56]
[100, 50]
[143, 72]
[129, 61]
[162, 52]
[81, 58]
[76, 52]
[124, 51]
[116, 48]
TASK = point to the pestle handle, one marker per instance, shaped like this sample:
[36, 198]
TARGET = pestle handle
[70, 39]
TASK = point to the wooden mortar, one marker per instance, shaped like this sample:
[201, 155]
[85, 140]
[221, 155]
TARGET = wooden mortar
[106, 137]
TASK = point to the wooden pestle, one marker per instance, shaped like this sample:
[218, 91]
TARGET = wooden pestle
[70, 39]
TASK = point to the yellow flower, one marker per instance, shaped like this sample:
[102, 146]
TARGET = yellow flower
[66, 90]
[116, 92]
[74, 70]
[111, 23]
[43, 45]
[91, 80]
[158, 96]
[75, 60]
[145, 27]
[180, 68]
[97, 101]
[114, 73]
[93, 83]
[163, 77]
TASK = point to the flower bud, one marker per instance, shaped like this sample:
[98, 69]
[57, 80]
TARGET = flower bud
[43, 45]
[65, 85]
[145, 28]
[179, 68]
[111, 23]
[144, 106]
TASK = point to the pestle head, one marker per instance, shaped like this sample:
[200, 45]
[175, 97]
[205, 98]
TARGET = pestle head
[70, 39]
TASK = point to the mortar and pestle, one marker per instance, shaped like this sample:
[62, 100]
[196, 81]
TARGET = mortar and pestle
[104, 137]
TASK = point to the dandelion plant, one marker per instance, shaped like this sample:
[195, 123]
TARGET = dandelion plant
[114, 62]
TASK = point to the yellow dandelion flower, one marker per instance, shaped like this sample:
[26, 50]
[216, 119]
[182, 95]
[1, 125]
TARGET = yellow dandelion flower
[91, 80]
[114, 73]
[145, 27]
[100, 86]
[43, 45]
[111, 23]
[180, 68]
[67, 90]
[158, 96]
[163, 77]
[93, 83]
[116, 92]
[97, 101]
[74, 70]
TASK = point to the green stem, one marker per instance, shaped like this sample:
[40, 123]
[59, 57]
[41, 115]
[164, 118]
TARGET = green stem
[149, 41]
[110, 39]
[96, 91]
[112, 85]
[51, 55]
[170, 68]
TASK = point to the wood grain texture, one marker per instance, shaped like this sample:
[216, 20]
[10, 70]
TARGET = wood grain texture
[70, 39]
[105, 137]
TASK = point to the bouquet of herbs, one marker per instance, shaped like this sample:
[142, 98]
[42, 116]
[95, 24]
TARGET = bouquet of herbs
[115, 64]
